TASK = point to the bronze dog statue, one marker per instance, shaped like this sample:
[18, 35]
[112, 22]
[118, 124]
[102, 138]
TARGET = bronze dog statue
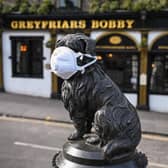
[91, 97]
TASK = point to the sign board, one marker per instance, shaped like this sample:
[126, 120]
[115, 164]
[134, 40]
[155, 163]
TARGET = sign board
[143, 79]
[71, 24]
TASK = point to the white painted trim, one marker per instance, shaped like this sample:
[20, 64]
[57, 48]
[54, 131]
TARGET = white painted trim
[132, 97]
[158, 103]
[27, 86]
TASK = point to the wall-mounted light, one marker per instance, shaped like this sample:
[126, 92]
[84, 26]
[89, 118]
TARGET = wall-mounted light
[110, 55]
[153, 65]
[99, 57]
[23, 48]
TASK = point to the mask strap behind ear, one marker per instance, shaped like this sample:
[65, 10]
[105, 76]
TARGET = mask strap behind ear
[90, 63]
[82, 68]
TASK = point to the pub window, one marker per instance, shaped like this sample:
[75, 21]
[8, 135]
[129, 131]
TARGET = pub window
[159, 73]
[122, 68]
[27, 57]
[69, 4]
[118, 53]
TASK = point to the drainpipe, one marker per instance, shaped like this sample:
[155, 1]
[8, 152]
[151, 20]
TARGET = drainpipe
[143, 91]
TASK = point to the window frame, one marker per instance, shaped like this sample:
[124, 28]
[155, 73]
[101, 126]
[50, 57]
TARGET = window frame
[14, 41]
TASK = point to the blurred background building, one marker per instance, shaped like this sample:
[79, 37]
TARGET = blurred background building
[131, 45]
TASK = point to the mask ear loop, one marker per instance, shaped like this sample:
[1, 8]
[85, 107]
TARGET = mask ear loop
[82, 68]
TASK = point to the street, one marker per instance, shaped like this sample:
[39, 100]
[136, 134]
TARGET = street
[16, 133]
[26, 143]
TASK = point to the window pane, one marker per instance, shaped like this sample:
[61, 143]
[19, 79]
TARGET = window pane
[27, 57]
[134, 75]
[36, 56]
[69, 3]
[159, 73]
[22, 58]
[122, 69]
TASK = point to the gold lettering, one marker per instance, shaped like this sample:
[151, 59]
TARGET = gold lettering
[120, 24]
[14, 24]
[130, 23]
[37, 24]
[95, 24]
[73, 24]
[103, 24]
[44, 24]
[52, 25]
[82, 24]
[22, 25]
[30, 25]
[65, 24]
[130, 47]
[112, 24]
[162, 47]
[58, 24]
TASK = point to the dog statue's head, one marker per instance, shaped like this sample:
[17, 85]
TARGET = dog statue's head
[78, 42]
[73, 53]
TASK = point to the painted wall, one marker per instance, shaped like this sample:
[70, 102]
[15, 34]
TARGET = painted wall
[27, 86]
[132, 98]
[158, 103]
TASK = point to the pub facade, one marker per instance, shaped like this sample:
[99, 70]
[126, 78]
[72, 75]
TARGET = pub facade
[131, 47]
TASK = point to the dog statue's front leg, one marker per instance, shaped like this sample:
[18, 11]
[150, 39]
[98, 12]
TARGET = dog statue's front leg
[80, 129]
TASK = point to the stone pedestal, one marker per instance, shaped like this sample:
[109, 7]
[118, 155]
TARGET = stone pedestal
[79, 154]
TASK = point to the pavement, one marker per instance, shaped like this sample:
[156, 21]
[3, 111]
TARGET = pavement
[14, 105]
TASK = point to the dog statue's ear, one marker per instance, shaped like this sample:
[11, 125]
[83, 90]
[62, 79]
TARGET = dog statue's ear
[90, 46]
[83, 60]
[60, 43]
[74, 42]
[79, 46]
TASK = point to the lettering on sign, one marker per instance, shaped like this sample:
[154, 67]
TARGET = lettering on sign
[72, 24]
[163, 47]
[117, 47]
[112, 24]
[49, 24]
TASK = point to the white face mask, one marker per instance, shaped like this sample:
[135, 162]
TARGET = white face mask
[64, 62]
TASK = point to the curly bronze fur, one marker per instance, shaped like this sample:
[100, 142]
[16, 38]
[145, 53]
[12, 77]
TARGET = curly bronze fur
[94, 97]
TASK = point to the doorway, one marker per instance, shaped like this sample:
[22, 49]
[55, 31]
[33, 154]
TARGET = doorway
[118, 54]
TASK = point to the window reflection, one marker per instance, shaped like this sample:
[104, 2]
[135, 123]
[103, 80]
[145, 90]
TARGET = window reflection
[159, 74]
[68, 4]
[122, 69]
[27, 57]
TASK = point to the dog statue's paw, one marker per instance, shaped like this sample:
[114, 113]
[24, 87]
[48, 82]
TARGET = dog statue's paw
[75, 136]
[108, 150]
[92, 139]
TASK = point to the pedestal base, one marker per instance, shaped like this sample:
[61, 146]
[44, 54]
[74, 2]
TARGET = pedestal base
[78, 154]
